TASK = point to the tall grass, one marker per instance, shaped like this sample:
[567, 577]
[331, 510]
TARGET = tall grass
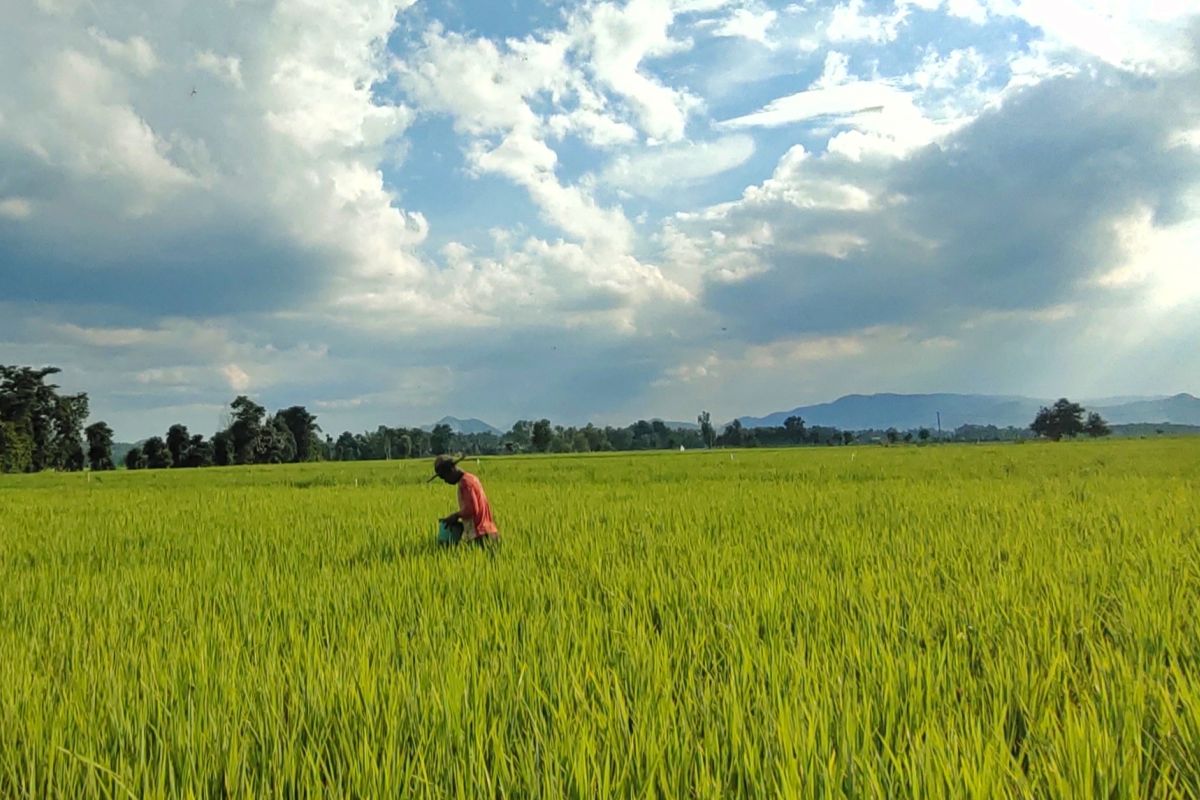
[908, 622]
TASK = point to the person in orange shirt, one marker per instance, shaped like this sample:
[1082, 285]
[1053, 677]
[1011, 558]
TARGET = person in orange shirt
[474, 511]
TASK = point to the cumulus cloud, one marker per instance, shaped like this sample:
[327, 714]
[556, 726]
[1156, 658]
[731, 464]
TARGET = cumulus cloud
[745, 23]
[925, 210]
[15, 208]
[651, 172]
[941, 231]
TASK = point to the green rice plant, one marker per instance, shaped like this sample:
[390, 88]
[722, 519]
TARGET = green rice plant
[920, 622]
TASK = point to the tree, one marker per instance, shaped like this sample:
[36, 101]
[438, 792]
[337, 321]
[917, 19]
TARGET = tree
[44, 428]
[542, 436]
[70, 412]
[276, 445]
[1064, 418]
[892, 435]
[924, 434]
[199, 453]
[178, 439]
[158, 456]
[439, 439]
[1096, 427]
[734, 435]
[222, 445]
[99, 439]
[346, 447]
[794, 426]
[135, 459]
[847, 438]
[246, 430]
[521, 434]
[908, 437]
[707, 432]
[304, 428]
[16, 449]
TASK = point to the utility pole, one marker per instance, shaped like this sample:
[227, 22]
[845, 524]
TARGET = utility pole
[939, 417]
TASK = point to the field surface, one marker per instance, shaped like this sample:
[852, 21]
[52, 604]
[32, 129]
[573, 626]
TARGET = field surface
[859, 622]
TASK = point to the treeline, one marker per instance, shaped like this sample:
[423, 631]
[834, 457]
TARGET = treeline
[43, 429]
[288, 436]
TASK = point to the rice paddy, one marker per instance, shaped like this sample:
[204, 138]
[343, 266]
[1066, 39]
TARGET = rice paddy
[836, 622]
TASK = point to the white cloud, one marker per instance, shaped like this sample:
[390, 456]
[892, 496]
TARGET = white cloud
[859, 97]
[83, 124]
[135, 52]
[746, 24]
[237, 378]
[949, 72]
[651, 172]
[107, 337]
[17, 208]
[972, 10]
[794, 184]
[618, 40]
[226, 68]
[1125, 33]
[851, 23]
[1162, 262]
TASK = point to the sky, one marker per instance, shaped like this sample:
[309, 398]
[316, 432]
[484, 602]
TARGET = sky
[394, 210]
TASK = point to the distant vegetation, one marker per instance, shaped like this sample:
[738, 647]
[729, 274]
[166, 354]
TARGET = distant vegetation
[41, 428]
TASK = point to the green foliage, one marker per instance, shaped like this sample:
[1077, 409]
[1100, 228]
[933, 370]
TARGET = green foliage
[178, 441]
[135, 459]
[99, 440]
[542, 436]
[707, 432]
[439, 439]
[156, 453]
[1063, 419]
[246, 430]
[45, 427]
[222, 443]
[990, 621]
[198, 453]
[304, 428]
[16, 448]
[1096, 427]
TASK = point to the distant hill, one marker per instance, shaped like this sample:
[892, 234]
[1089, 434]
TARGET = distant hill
[464, 426]
[1182, 409]
[119, 451]
[1147, 430]
[678, 426]
[905, 411]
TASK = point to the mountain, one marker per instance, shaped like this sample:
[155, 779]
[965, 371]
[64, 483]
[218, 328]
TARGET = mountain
[1182, 409]
[464, 426]
[678, 426]
[880, 411]
[905, 411]
[120, 450]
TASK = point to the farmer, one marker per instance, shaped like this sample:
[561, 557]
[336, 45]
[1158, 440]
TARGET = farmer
[473, 509]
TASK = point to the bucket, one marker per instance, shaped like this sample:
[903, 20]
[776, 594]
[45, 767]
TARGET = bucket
[449, 533]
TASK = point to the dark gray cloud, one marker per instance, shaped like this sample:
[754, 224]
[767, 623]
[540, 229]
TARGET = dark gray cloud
[1016, 211]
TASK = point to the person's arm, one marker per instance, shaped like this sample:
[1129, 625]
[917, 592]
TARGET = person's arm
[466, 507]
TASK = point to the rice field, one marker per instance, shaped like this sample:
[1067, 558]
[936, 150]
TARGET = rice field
[840, 622]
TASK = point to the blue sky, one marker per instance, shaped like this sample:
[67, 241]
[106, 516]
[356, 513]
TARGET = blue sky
[394, 210]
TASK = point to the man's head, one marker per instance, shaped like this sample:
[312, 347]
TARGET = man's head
[447, 469]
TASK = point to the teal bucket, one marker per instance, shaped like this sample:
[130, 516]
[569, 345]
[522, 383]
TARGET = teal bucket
[449, 534]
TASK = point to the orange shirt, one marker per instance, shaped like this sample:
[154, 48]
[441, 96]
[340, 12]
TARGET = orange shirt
[474, 508]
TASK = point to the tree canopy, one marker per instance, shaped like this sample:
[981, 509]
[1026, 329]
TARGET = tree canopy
[40, 428]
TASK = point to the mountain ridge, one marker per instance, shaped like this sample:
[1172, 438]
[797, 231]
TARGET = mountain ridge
[904, 411]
